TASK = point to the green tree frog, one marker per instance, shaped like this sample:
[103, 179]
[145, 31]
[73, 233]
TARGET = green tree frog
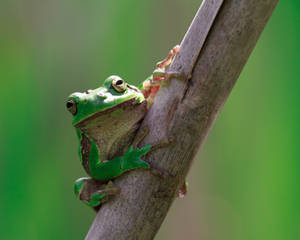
[106, 120]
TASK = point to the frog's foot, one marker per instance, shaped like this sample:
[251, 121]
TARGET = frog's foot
[158, 172]
[160, 78]
[163, 78]
[94, 192]
[167, 61]
[132, 158]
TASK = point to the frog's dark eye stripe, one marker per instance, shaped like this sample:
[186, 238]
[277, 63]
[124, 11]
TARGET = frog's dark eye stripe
[119, 85]
[72, 106]
[133, 88]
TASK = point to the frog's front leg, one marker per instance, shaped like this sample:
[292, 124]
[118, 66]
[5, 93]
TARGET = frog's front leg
[161, 76]
[167, 61]
[106, 170]
[94, 192]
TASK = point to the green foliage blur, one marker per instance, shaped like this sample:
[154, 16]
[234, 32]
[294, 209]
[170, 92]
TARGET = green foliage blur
[245, 182]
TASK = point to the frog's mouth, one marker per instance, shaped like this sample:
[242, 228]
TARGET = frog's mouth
[127, 105]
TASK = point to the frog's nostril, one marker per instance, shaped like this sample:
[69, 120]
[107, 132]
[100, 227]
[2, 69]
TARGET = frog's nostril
[72, 106]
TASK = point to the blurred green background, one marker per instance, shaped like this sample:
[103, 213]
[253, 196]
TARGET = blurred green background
[245, 182]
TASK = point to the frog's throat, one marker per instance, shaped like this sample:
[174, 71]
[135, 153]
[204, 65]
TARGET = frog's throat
[126, 104]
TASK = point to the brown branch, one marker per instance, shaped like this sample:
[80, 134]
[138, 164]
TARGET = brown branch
[184, 111]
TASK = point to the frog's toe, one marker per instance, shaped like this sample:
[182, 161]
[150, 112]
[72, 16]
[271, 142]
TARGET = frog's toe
[79, 185]
[144, 164]
[137, 164]
[159, 173]
[97, 198]
[94, 192]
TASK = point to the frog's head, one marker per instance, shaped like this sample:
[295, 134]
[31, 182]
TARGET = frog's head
[114, 97]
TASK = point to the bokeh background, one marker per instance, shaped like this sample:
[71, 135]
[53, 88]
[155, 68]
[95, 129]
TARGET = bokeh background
[245, 182]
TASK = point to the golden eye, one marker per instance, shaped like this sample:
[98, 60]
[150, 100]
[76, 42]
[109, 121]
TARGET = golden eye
[72, 106]
[119, 85]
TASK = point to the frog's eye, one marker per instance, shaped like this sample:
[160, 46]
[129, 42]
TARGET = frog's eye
[72, 106]
[119, 85]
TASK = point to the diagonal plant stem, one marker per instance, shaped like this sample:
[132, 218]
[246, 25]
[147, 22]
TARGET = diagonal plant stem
[184, 112]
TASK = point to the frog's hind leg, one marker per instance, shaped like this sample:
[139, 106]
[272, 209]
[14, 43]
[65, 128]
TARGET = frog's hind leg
[93, 192]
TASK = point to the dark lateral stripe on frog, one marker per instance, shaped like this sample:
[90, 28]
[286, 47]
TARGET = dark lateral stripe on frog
[85, 152]
[121, 105]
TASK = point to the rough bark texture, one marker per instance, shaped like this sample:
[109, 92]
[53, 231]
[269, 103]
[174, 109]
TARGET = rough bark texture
[184, 112]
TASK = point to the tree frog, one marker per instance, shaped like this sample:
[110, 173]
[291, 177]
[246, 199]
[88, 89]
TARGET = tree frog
[106, 120]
